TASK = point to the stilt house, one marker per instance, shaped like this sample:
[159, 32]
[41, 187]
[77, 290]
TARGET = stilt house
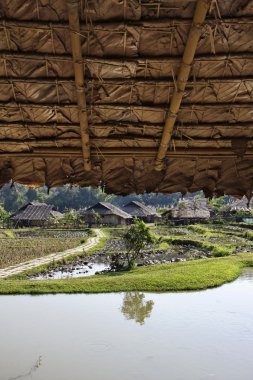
[105, 213]
[35, 214]
[189, 209]
[141, 211]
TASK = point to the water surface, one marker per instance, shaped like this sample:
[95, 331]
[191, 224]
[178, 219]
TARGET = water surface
[144, 336]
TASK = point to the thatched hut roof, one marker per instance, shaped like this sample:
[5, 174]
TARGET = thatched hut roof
[141, 96]
[241, 205]
[191, 208]
[138, 209]
[105, 208]
[34, 211]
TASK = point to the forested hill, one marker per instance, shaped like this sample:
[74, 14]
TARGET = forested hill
[67, 197]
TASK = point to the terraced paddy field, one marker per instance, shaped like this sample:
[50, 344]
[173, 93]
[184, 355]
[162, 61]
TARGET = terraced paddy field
[17, 246]
[185, 258]
[193, 241]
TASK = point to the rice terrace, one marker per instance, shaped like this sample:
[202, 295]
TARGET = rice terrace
[126, 189]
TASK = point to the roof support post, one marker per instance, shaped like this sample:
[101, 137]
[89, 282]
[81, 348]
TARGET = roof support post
[74, 25]
[201, 10]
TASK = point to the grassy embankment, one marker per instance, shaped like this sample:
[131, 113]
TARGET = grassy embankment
[192, 275]
[182, 276]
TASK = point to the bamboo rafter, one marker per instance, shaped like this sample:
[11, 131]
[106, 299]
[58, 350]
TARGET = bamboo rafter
[201, 10]
[130, 152]
[74, 25]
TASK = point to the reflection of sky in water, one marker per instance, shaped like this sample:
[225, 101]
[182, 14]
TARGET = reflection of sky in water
[82, 271]
[248, 220]
[185, 336]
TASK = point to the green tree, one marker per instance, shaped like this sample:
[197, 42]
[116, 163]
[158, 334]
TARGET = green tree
[220, 204]
[3, 214]
[136, 238]
[13, 196]
[71, 218]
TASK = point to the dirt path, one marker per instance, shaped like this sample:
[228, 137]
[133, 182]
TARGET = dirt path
[19, 268]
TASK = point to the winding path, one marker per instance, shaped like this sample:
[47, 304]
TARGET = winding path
[21, 267]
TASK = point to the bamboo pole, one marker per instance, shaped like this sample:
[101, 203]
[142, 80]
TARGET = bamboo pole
[113, 142]
[74, 26]
[154, 22]
[129, 152]
[201, 10]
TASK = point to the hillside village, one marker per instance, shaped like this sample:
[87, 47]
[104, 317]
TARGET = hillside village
[185, 211]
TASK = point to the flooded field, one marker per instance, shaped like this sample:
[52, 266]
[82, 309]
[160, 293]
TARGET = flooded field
[176, 336]
[81, 270]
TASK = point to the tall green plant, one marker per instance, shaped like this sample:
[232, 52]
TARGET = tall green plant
[136, 238]
[3, 214]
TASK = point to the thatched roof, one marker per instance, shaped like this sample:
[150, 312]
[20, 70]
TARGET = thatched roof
[191, 208]
[88, 103]
[241, 205]
[35, 211]
[138, 209]
[105, 208]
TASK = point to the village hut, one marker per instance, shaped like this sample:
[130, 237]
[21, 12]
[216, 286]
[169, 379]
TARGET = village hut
[35, 214]
[105, 213]
[242, 204]
[189, 209]
[141, 211]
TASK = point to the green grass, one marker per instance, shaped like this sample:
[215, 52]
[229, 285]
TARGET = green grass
[163, 246]
[183, 276]
[214, 249]
[101, 244]
[9, 234]
[248, 235]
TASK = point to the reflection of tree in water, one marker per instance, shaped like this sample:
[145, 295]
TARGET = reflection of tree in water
[135, 307]
[30, 373]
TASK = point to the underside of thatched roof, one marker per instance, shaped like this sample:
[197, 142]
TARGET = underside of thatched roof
[136, 96]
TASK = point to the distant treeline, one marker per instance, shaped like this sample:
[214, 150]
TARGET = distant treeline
[13, 196]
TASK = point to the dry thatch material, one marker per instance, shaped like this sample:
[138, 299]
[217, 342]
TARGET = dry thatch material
[105, 213]
[191, 209]
[241, 205]
[140, 211]
[105, 208]
[34, 213]
[108, 110]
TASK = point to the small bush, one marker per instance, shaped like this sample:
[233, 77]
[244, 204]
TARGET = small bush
[163, 246]
[248, 235]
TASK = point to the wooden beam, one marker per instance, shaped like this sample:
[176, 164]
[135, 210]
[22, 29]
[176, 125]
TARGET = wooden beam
[74, 25]
[154, 22]
[128, 152]
[124, 81]
[201, 10]
[125, 141]
[123, 60]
